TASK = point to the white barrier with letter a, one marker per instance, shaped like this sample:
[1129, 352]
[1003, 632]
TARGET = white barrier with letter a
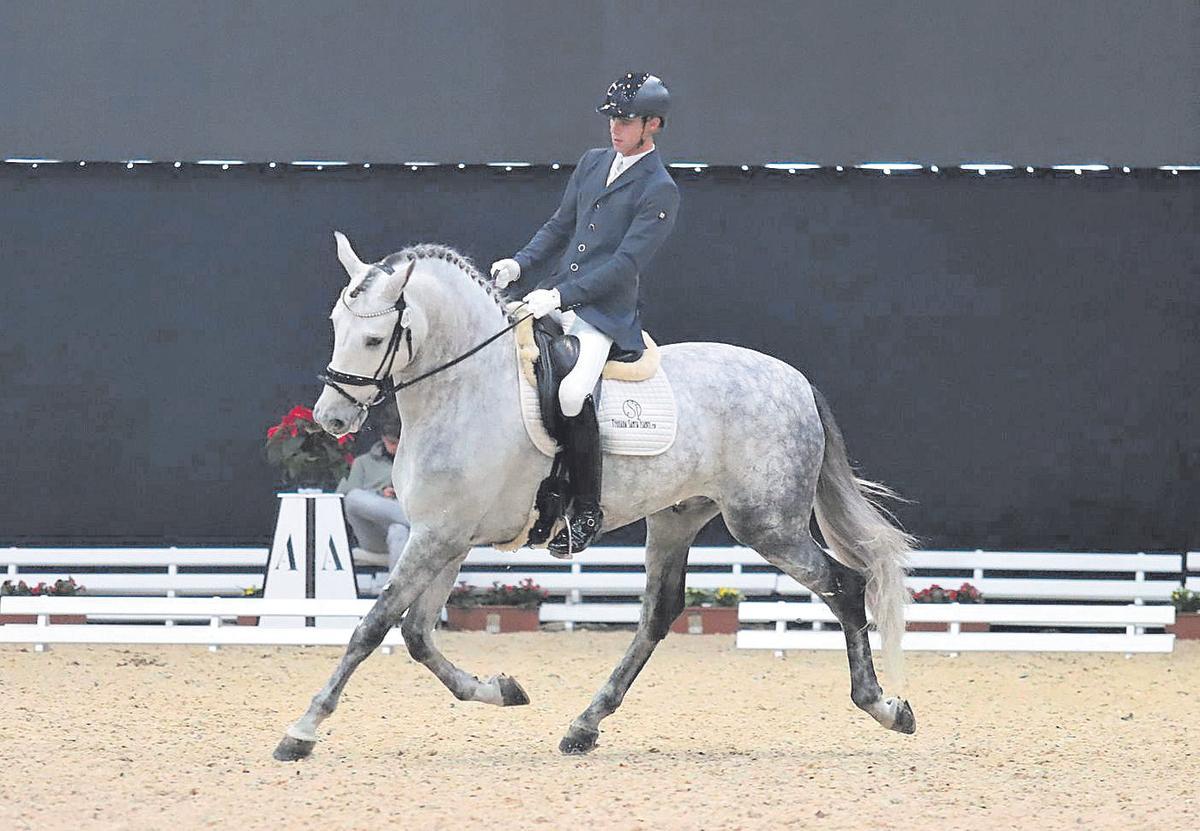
[310, 557]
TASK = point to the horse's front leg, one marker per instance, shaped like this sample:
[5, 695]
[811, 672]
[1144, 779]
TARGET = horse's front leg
[425, 557]
[417, 629]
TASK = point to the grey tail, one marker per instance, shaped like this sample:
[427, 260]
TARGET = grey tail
[864, 536]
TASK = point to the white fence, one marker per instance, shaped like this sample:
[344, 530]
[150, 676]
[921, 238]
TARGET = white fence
[220, 612]
[609, 572]
[144, 571]
[603, 585]
[1082, 602]
[1123, 628]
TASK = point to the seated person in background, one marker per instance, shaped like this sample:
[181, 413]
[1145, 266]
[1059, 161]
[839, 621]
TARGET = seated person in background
[370, 504]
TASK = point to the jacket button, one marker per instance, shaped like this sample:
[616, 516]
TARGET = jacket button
[592, 226]
[574, 266]
[596, 206]
[582, 247]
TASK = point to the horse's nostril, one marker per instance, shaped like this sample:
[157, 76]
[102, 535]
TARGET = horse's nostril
[337, 425]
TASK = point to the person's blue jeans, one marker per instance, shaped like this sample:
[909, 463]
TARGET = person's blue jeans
[378, 522]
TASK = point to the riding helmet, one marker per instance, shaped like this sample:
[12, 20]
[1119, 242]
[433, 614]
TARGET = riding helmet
[636, 95]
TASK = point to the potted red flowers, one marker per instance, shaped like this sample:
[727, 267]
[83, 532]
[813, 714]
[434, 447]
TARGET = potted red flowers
[501, 608]
[1187, 614]
[59, 588]
[306, 455]
[708, 612]
[966, 593]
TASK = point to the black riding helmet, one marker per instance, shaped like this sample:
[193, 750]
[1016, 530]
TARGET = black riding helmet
[636, 95]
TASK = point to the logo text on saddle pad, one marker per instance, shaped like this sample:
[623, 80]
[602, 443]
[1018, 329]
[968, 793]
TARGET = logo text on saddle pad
[633, 417]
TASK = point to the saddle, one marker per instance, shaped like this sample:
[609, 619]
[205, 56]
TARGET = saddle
[557, 354]
[637, 417]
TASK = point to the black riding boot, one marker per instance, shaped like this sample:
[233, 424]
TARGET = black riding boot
[584, 466]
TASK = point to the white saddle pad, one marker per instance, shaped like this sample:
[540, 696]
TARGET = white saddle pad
[637, 418]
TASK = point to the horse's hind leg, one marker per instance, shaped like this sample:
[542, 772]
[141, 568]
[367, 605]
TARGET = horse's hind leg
[417, 629]
[844, 591]
[669, 535]
[425, 556]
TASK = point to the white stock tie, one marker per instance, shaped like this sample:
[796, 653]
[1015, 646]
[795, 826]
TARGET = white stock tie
[616, 171]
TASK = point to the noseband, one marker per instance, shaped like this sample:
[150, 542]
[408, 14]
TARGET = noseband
[384, 383]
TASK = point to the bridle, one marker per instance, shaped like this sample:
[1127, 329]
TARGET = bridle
[382, 379]
[384, 384]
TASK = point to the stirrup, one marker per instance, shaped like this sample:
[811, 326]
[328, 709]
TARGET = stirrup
[580, 532]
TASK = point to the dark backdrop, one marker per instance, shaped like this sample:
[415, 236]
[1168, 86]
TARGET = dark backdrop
[829, 81]
[1016, 354]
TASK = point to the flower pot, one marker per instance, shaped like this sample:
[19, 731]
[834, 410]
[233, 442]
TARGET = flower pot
[934, 626]
[707, 620]
[493, 619]
[58, 619]
[1186, 626]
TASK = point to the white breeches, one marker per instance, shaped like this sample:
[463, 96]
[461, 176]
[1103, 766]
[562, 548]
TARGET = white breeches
[594, 347]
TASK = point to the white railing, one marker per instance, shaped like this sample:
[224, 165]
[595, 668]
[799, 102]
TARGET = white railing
[158, 569]
[1123, 627]
[618, 574]
[220, 612]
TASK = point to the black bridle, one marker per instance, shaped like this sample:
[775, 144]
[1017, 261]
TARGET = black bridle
[384, 383]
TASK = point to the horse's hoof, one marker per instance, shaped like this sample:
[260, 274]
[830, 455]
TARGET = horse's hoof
[905, 722]
[293, 750]
[578, 740]
[511, 693]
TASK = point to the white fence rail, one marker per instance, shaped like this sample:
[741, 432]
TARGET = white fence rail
[225, 571]
[218, 611]
[1125, 628]
[612, 573]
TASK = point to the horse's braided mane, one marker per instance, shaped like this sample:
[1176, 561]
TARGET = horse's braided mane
[434, 251]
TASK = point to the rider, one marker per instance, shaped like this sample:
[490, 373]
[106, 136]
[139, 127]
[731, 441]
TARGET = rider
[618, 207]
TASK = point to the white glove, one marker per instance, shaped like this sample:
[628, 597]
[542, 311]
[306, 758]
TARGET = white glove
[505, 272]
[542, 301]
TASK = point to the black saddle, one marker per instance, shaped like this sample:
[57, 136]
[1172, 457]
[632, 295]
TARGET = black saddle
[557, 355]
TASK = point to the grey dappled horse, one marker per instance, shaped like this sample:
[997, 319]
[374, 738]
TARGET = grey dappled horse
[755, 444]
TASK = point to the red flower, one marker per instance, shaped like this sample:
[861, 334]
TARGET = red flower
[349, 457]
[272, 431]
[345, 440]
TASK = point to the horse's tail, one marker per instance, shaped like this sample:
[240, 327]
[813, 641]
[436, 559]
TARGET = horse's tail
[864, 536]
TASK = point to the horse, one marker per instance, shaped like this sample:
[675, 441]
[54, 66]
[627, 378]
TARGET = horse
[756, 444]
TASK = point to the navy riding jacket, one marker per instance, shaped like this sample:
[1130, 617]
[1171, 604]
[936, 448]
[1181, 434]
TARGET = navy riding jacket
[604, 237]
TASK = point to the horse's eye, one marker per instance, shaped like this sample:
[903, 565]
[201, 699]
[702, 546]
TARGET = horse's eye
[374, 341]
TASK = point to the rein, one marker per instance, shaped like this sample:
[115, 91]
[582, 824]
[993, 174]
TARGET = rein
[385, 384]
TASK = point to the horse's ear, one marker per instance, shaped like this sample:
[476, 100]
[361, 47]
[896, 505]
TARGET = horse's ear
[400, 282]
[355, 267]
